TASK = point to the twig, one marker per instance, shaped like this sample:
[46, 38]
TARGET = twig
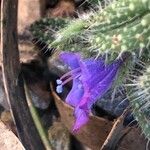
[13, 82]
[116, 133]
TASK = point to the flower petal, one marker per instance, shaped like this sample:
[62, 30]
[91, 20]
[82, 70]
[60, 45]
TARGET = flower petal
[82, 117]
[90, 68]
[95, 79]
[70, 59]
[98, 88]
[76, 93]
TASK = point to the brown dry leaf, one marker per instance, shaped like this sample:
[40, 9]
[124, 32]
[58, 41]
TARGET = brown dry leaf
[134, 140]
[96, 131]
[59, 136]
[117, 132]
[93, 134]
[7, 119]
[8, 140]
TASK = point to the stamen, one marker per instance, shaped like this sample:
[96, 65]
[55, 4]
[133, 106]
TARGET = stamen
[69, 79]
[59, 89]
[58, 81]
[70, 73]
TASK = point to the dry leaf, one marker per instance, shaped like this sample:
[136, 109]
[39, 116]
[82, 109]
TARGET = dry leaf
[8, 140]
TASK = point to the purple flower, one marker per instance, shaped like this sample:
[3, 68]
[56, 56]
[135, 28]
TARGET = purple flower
[91, 80]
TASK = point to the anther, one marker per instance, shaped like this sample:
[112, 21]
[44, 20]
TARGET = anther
[59, 89]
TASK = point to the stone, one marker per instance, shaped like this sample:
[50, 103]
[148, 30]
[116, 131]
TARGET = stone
[28, 12]
[34, 76]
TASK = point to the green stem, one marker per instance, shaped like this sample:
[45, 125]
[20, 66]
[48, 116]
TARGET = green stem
[37, 120]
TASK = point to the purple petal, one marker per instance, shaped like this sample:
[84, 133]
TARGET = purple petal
[82, 117]
[76, 93]
[95, 79]
[70, 59]
[90, 68]
[96, 89]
